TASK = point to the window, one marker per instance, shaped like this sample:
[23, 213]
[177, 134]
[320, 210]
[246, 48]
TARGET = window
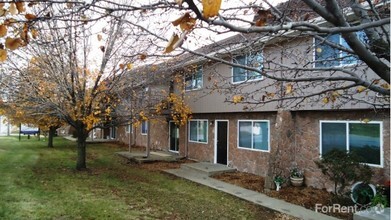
[328, 56]
[253, 135]
[194, 81]
[198, 131]
[144, 127]
[251, 60]
[364, 139]
[129, 128]
[113, 132]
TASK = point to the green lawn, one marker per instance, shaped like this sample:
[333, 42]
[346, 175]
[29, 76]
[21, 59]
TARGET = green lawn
[40, 183]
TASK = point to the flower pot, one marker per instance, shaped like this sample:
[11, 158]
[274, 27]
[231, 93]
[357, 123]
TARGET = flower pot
[297, 181]
[362, 193]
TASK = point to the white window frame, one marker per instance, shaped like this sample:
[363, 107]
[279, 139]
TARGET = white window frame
[192, 76]
[346, 122]
[146, 127]
[207, 130]
[129, 129]
[340, 52]
[252, 121]
[246, 71]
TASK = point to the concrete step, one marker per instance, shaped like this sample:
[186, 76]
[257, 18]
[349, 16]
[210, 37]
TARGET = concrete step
[208, 169]
[372, 214]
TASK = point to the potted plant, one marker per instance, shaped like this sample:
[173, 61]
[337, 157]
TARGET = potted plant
[362, 193]
[379, 202]
[279, 180]
[296, 177]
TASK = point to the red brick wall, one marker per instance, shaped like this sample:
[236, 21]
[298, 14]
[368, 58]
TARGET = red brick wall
[307, 142]
[296, 142]
[243, 159]
[159, 135]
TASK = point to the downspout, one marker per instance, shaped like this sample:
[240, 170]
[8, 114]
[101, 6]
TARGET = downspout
[149, 125]
[148, 138]
[130, 136]
[186, 141]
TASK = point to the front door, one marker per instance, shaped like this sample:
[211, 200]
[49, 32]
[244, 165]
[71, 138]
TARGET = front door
[174, 137]
[221, 142]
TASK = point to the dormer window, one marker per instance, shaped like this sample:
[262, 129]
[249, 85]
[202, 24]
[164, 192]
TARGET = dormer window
[251, 60]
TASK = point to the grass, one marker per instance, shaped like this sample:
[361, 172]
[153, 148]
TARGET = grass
[37, 182]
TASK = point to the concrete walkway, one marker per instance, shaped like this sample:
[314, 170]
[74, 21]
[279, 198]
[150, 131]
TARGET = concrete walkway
[140, 156]
[89, 140]
[249, 195]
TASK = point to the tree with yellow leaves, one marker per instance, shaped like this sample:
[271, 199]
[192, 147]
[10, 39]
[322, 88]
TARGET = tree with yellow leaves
[57, 76]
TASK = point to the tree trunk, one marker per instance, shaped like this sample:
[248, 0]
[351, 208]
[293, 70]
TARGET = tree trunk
[81, 148]
[52, 132]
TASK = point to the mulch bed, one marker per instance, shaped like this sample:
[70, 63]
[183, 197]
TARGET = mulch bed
[307, 197]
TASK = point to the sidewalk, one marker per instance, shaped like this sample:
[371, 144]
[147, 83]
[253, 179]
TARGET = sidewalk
[89, 140]
[251, 196]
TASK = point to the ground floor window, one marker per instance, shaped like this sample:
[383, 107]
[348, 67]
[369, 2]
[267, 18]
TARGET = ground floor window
[144, 127]
[113, 132]
[198, 130]
[365, 139]
[254, 134]
[129, 128]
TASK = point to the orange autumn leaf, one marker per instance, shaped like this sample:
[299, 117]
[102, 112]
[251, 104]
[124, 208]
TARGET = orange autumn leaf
[121, 66]
[10, 21]
[20, 7]
[289, 89]
[171, 44]
[2, 5]
[3, 12]
[13, 43]
[211, 8]
[361, 89]
[185, 22]
[30, 16]
[12, 9]
[24, 34]
[34, 33]
[237, 99]
[262, 17]
[3, 55]
[143, 56]
[3, 30]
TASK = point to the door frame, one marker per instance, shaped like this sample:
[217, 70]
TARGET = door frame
[215, 139]
[169, 137]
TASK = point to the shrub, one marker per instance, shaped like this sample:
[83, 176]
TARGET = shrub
[343, 168]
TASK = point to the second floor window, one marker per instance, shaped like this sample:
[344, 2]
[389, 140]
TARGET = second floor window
[194, 81]
[250, 60]
[329, 56]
